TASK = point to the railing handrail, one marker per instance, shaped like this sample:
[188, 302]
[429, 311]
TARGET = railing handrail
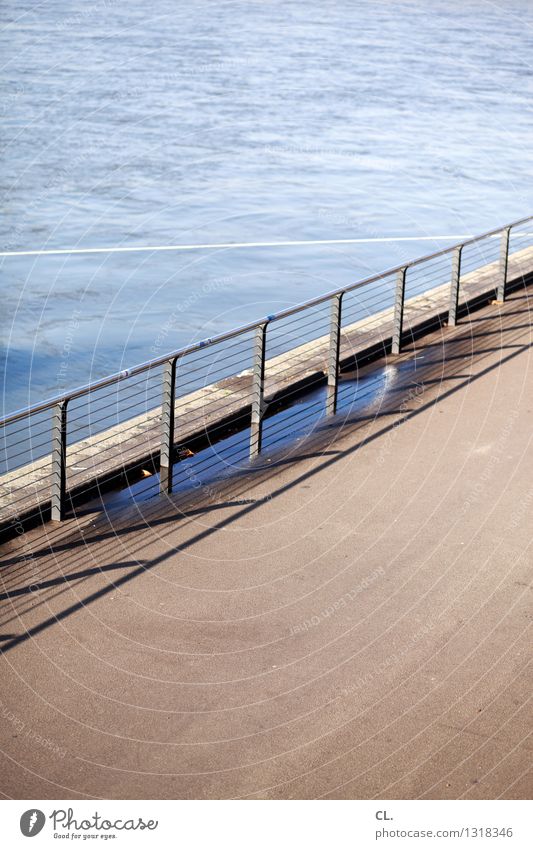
[230, 334]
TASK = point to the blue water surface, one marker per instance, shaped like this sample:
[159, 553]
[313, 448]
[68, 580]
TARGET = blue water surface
[126, 123]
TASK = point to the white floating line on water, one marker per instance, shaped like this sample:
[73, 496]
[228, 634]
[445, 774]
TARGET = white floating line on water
[224, 245]
[221, 246]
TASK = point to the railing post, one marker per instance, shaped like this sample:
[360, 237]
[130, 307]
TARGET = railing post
[258, 390]
[58, 488]
[333, 354]
[166, 455]
[398, 310]
[504, 261]
[454, 287]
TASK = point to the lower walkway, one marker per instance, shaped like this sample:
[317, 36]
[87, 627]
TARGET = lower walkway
[350, 620]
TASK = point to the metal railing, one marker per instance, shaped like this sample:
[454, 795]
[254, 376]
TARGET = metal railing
[163, 405]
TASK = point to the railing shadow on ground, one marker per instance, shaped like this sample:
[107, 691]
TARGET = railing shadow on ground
[67, 546]
[341, 421]
[77, 446]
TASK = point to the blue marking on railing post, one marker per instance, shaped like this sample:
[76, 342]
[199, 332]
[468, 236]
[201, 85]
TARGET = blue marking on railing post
[333, 354]
[504, 261]
[399, 301]
[58, 487]
[167, 426]
[454, 285]
[258, 390]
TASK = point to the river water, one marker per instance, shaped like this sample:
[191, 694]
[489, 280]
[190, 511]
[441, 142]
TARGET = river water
[126, 123]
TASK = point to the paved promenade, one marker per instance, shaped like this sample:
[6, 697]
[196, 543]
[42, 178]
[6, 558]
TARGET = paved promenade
[350, 620]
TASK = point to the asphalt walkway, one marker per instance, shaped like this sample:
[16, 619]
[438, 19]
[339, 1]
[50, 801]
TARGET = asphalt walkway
[350, 620]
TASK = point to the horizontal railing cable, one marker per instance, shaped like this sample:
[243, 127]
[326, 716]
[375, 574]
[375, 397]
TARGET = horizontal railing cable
[142, 367]
[151, 409]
